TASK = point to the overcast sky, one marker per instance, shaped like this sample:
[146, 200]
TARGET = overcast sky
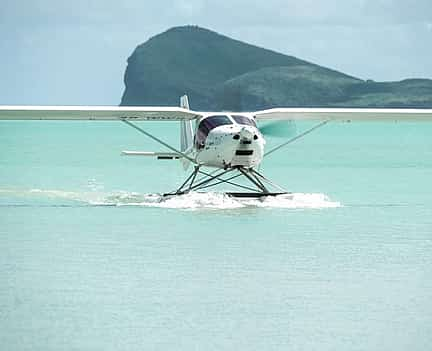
[75, 52]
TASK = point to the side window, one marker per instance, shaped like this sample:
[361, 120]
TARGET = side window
[201, 134]
[207, 125]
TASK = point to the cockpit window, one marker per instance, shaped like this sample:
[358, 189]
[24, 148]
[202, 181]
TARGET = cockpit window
[207, 125]
[214, 121]
[244, 120]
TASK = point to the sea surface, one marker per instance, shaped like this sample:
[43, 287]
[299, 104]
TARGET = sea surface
[92, 258]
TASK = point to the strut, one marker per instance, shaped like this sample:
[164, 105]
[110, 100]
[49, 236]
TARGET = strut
[209, 180]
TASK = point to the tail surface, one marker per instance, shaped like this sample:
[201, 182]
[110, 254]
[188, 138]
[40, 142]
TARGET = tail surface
[186, 133]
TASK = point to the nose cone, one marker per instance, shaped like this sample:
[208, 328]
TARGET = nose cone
[246, 134]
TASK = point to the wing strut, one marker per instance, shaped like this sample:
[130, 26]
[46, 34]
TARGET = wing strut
[159, 141]
[301, 135]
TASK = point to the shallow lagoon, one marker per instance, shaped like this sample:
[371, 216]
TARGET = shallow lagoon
[88, 263]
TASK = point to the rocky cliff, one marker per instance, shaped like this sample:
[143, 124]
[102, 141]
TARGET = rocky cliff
[220, 73]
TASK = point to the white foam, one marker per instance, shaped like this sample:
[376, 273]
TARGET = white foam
[191, 201]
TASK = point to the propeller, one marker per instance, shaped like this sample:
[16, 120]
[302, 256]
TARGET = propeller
[280, 129]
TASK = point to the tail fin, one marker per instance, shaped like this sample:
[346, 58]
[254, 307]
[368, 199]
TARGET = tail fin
[186, 133]
[184, 102]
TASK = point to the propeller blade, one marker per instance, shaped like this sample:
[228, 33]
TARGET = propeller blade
[280, 129]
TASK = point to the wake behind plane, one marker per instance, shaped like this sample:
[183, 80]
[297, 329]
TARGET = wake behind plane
[230, 143]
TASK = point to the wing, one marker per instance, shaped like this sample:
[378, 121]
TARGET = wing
[345, 114]
[97, 113]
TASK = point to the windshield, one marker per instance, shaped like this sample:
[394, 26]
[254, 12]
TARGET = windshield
[244, 120]
[207, 125]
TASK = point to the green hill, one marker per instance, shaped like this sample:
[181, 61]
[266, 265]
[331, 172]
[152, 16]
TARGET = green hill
[221, 73]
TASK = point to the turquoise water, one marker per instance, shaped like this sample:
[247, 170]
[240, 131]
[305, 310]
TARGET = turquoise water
[91, 261]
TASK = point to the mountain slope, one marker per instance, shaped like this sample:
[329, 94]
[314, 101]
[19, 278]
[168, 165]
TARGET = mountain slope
[221, 73]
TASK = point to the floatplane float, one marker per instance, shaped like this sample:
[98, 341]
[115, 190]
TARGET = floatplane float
[228, 142]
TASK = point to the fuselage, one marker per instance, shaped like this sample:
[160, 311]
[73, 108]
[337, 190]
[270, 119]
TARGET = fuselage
[227, 140]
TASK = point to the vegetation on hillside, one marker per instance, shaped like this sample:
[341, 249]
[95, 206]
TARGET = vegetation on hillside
[218, 72]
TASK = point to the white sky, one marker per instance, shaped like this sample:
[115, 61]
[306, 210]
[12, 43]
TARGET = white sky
[58, 52]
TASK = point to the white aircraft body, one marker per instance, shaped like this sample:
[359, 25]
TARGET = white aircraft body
[230, 142]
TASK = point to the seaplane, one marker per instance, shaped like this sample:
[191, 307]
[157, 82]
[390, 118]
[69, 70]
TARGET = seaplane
[221, 146]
